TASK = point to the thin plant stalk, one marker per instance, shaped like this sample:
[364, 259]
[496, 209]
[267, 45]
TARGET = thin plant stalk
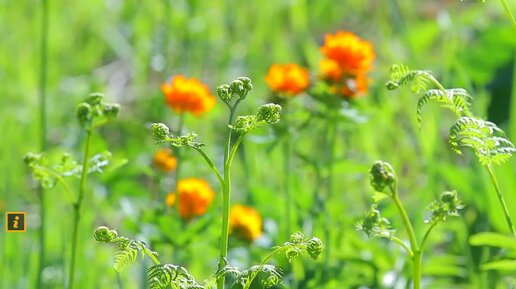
[508, 12]
[416, 257]
[226, 197]
[177, 151]
[43, 133]
[501, 199]
[77, 208]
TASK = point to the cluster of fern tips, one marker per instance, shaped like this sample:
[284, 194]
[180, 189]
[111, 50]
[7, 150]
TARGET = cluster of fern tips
[267, 114]
[94, 112]
[163, 276]
[237, 89]
[161, 133]
[269, 275]
[382, 176]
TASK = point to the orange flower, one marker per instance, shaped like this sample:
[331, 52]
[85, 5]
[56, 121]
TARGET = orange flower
[245, 222]
[163, 159]
[190, 95]
[289, 79]
[330, 70]
[194, 197]
[354, 86]
[352, 54]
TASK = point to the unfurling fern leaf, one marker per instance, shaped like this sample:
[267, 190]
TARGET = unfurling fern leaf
[127, 251]
[166, 275]
[401, 75]
[457, 100]
[486, 139]
[268, 276]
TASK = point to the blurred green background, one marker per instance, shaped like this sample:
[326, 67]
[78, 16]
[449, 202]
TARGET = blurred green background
[126, 49]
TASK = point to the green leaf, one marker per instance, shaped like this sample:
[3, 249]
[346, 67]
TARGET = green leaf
[493, 240]
[501, 265]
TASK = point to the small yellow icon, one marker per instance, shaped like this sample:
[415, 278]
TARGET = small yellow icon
[15, 221]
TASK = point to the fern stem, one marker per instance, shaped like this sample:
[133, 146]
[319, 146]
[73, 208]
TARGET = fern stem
[402, 244]
[426, 235]
[416, 256]
[77, 208]
[501, 199]
[226, 197]
[436, 82]
[211, 165]
[177, 151]
[509, 13]
[43, 132]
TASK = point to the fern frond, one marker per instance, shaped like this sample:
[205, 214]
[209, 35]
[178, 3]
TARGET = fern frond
[166, 275]
[487, 140]
[127, 251]
[401, 75]
[457, 100]
[268, 276]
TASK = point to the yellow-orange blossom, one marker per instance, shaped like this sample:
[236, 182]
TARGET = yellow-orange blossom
[347, 61]
[245, 222]
[288, 79]
[188, 95]
[164, 160]
[194, 196]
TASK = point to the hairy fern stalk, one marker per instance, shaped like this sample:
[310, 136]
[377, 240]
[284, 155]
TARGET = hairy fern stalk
[486, 139]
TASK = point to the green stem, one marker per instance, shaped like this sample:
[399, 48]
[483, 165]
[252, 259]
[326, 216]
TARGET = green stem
[151, 256]
[509, 13]
[416, 269]
[177, 151]
[211, 165]
[402, 244]
[77, 207]
[43, 133]
[501, 199]
[226, 197]
[416, 256]
[421, 246]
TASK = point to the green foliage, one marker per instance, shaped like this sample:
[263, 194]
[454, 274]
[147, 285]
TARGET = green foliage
[401, 75]
[448, 205]
[456, 100]
[494, 240]
[382, 176]
[163, 276]
[486, 139]
[94, 112]
[167, 275]
[374, 225]
[127, 250]
[267, 114]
